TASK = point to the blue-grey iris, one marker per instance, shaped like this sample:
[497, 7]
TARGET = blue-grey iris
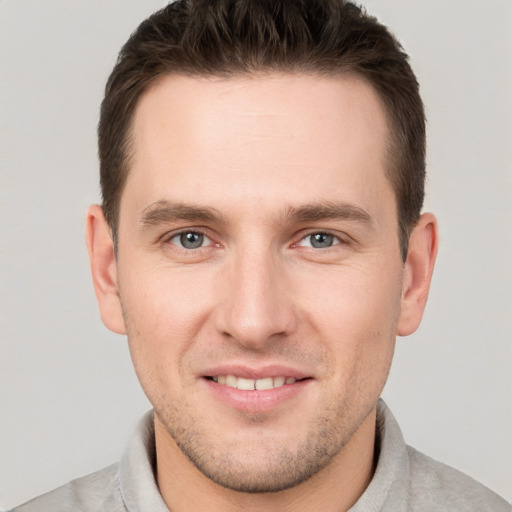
[321, 240]
[191, 240]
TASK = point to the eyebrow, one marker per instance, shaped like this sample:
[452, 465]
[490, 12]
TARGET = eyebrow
[315, 212]
[164, 211]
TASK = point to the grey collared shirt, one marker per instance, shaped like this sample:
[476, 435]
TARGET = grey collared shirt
[404, 480]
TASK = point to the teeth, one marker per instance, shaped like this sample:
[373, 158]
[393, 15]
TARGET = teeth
[263, 384]
[245, 384]
[232, 381]
[250, 384]
[279, 381]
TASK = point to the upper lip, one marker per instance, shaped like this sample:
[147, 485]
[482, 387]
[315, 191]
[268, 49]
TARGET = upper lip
[247, 372]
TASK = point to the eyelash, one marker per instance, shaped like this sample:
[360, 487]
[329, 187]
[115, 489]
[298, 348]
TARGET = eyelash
[338, 240]
[168, 239]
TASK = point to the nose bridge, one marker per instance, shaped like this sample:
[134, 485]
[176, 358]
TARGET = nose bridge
[256, 305]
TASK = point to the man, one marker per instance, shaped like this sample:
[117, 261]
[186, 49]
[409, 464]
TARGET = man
[261, 243]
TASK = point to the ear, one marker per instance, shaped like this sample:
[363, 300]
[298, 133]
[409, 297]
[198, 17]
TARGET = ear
[421, 257]
[104, 269]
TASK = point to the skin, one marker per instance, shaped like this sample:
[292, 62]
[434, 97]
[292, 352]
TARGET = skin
[257, 166]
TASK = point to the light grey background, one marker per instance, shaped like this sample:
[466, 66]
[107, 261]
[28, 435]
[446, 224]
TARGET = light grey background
[68, 395]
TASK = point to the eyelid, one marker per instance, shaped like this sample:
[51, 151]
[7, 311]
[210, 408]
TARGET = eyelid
[342, 238]
[168, 237]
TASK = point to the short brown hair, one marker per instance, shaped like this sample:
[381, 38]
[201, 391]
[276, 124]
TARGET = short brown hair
[233, 37]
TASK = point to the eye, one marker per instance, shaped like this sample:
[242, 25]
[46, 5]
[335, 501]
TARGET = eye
[190, 240]
[319, 240]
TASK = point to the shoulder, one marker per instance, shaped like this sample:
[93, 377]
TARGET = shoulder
[436, 486]
[98, 491]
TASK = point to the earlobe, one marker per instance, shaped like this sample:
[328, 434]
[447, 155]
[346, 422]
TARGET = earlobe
[104, 269]
[421, 257]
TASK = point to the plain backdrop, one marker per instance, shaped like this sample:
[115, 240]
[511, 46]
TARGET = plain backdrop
[69, 398]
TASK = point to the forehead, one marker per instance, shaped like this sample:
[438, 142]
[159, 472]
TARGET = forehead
[302, 136]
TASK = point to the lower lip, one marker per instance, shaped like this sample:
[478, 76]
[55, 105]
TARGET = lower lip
[256, 401]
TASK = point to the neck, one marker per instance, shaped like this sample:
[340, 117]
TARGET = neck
[335, 488]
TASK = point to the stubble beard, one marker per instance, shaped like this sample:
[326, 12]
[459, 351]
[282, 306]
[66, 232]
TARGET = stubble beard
[266, 466]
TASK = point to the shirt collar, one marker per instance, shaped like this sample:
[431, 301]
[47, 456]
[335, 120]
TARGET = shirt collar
[387, 491]
[136, 470]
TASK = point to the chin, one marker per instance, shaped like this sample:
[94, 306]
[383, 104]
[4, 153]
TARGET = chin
[260, 460]
[276, 471]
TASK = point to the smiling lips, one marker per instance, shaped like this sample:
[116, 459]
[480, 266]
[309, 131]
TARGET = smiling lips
[253, 384]
[256, 391]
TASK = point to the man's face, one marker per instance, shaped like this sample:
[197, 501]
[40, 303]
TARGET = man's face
[258, 247]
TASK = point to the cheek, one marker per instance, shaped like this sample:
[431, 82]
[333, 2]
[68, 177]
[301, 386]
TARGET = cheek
[355, 312]
[354, 298]
[163, 300]
[164, 312]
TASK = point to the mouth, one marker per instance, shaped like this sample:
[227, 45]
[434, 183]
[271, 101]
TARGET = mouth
[263, 384]
[257, 390]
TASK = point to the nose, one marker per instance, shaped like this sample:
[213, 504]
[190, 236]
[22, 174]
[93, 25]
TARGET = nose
[255, 307]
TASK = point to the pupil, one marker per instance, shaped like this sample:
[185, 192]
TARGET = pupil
[191, 240]
[321, 240]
